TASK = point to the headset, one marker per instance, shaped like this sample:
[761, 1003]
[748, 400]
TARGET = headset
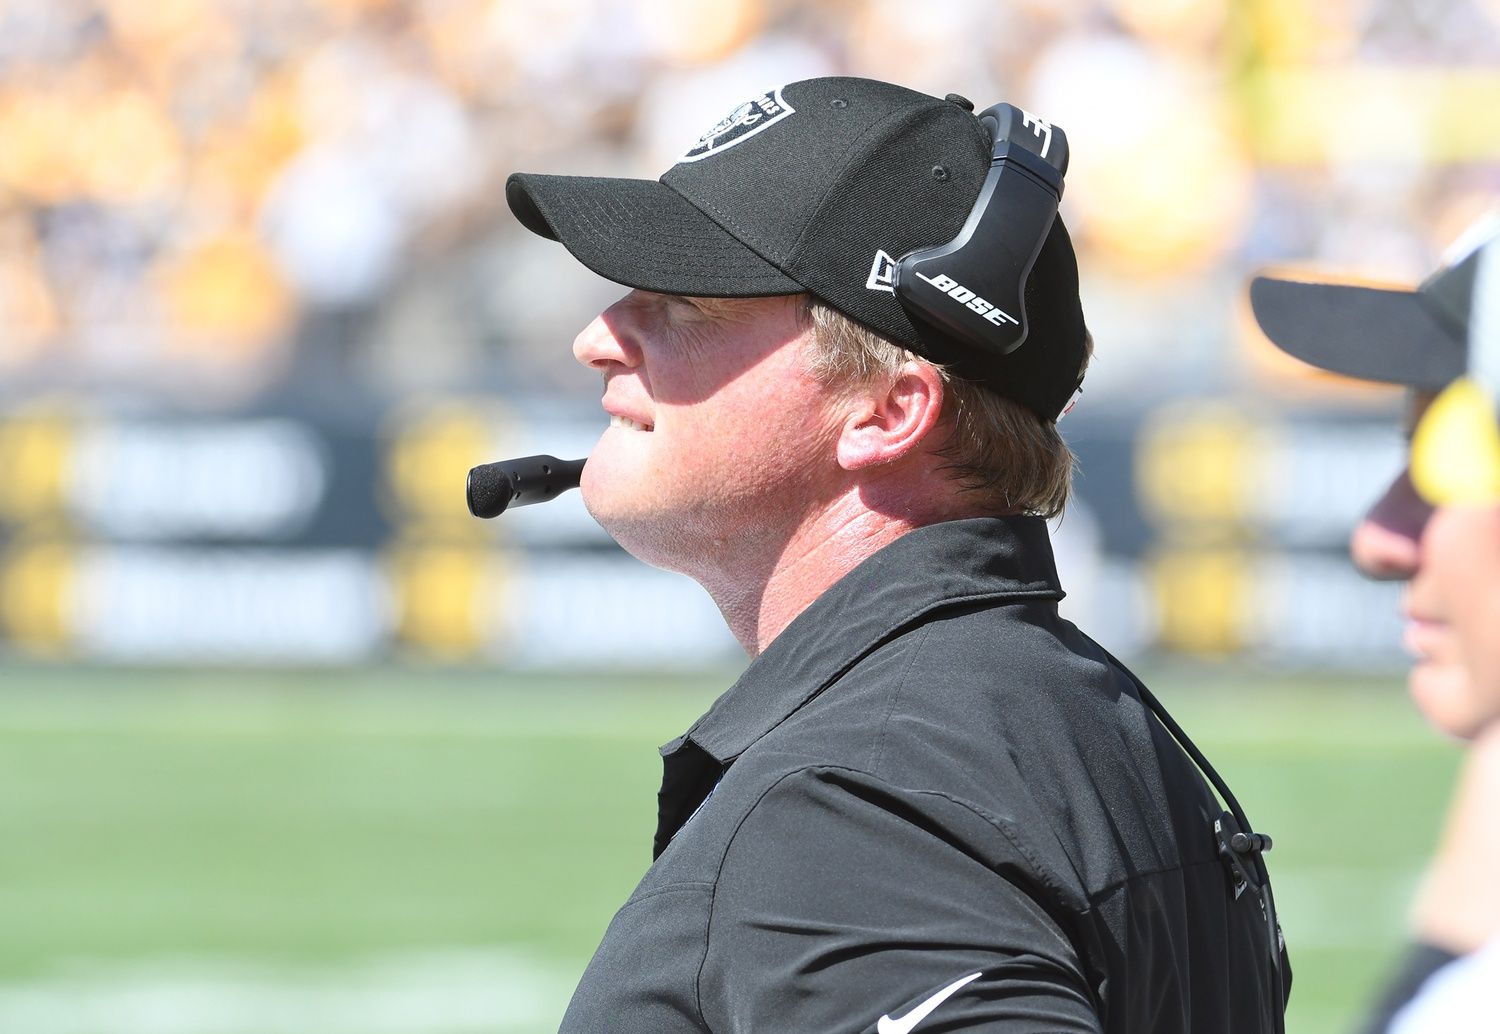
[972, 289]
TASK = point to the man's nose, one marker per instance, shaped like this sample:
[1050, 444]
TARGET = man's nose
[1386, 543]
[607, 341]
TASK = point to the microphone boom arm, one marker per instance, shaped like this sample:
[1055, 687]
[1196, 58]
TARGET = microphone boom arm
[493, 487]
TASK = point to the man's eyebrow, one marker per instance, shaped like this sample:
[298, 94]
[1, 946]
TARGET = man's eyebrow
[723, 308]
[676, 299]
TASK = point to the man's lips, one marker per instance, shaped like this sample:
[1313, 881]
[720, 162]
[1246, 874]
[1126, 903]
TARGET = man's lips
[1424, 637]
[629, 419]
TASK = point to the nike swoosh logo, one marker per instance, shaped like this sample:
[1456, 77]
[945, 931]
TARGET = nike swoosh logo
[888, 1025]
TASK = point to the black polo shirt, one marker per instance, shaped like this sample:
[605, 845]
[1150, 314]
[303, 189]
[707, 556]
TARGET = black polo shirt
[933, 805]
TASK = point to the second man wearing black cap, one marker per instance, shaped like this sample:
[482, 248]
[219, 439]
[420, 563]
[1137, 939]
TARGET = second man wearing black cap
[929, 804]
[1427, 338]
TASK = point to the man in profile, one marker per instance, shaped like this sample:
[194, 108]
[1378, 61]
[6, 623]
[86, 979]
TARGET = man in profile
[929, 803]
[1440, 341]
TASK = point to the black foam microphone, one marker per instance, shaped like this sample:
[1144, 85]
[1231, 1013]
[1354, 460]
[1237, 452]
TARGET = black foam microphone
[492, 487]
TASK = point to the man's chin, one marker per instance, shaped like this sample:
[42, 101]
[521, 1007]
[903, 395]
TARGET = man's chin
[636, 527]
[609, 492]
[1445, 695]
[606, 509]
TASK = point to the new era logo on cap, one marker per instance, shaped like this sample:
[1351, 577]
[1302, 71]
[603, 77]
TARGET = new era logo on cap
[744, 121]
[882, 274]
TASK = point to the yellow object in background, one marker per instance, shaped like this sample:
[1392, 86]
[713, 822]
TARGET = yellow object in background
[1198, 469]
[445, 603]
[225, 293]
[36, 453]
[432, 446]
[1455, 451]
[36, 593]
[1203, 598]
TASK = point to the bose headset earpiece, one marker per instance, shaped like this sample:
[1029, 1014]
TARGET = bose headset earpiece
[973, 289]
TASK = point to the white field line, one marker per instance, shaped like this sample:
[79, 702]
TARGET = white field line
[438, 992]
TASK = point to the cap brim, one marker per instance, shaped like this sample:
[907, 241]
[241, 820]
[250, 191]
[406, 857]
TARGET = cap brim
[643, 234]
[1372, 333]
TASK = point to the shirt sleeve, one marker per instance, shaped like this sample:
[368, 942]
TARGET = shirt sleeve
[1420, 962]
[1458, 997]
[845, 905]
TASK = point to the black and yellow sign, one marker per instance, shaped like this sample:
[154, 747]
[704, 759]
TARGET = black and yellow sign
[36, 590]
[35, 449]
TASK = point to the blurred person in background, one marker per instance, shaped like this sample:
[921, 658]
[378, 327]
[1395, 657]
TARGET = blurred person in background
[1437, 526]
[928, 795]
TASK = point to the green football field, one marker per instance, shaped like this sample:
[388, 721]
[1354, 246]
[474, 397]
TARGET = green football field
[424, 851]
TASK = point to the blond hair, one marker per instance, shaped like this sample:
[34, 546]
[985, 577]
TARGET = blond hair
[1008, 459]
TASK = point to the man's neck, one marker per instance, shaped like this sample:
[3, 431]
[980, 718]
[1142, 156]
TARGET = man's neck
[757, 605]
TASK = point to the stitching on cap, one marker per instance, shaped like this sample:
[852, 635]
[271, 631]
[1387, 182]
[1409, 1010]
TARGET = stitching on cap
[911, 113]
[610, 217]
[725, 220]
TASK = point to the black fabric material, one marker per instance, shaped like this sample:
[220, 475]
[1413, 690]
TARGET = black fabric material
[1365, 332]
[641, 234]
[930, 776]
[805, 205]
[1418, 964]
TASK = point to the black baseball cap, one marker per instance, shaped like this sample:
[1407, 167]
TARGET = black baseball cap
[820, 186]
[1413, 336]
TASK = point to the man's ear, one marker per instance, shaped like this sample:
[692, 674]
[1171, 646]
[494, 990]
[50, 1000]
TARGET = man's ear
[889, 420]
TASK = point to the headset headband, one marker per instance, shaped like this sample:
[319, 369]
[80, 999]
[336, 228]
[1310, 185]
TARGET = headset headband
[972, 290]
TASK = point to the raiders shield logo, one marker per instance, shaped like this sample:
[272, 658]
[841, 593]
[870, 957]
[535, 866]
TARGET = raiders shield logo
[740, 124]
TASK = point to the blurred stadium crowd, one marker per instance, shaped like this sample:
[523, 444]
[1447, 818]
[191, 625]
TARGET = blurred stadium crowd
[204, 196]
[273, 232]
